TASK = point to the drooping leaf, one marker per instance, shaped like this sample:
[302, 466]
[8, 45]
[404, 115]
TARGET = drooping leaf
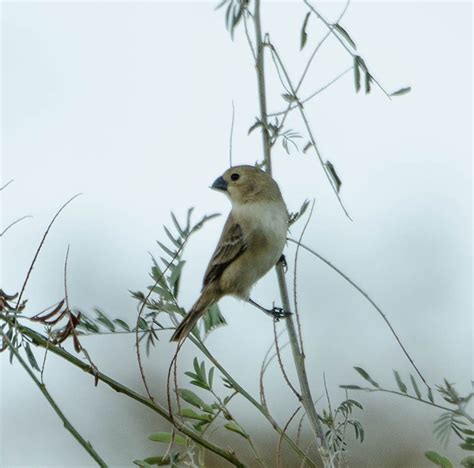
[344, 34]
[468, 462]
[438, 460]
[31, 356]
[401, 385]
[191, 414]
[104, 320]
[368, 81]
[401, 91]
[415, 387]
[191, 398]
[307, 147]
[233, 427]
[122, 324]
[356, 73]
[366, 376]
[304, 35]
[335, 178]
[213, 319]
[166, 437]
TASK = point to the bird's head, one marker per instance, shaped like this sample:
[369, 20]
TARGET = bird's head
[247, 184]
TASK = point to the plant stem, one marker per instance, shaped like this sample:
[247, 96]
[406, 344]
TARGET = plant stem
[298, 357]
[68, 426]
[40, 340]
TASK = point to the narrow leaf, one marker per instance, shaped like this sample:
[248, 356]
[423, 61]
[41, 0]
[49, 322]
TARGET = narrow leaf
[335, 178]
[438, 460]
[304, 35]
[356, 73]
[401, 91]
[366, 376]
[344, 34]
[232, 426]
[31, 357]
[415, 387]
[167, 437]
[403, 388]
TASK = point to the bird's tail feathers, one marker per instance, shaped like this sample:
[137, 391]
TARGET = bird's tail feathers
[190, 320]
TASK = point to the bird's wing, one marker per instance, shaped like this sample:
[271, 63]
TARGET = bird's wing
[231, 245]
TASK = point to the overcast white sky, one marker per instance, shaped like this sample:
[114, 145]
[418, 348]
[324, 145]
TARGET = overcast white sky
[130, 104]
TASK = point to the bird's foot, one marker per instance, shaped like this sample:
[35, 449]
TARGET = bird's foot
[278, 313]
[283, 263]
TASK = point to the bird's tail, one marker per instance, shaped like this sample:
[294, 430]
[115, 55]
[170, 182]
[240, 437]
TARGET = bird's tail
[188, 323]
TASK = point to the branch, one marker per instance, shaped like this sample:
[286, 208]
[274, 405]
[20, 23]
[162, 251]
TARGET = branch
[84, 443]
[13, 224]
[298, 357]
[40, 246]
[41, 341]
[369, 299]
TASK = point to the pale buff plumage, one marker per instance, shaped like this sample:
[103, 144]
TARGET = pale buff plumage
[251, 242]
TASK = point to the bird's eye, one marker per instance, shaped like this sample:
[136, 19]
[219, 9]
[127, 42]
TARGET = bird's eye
[235, 176]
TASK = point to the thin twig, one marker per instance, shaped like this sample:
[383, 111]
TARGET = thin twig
[40, 340]
[369, 299]
[280, 363]
[308, 64]
[295, 288]
[231, 134]
[140, 312]
[280, 439]
[311, 96]
[308, 128]
[40, 246]
[67, 424]
[13, 224]
[264, 366]
[6, 185]
[351, 53]
[73, 329]
[307, 400]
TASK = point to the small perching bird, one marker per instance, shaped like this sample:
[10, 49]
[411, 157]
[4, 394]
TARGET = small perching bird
[250, 245]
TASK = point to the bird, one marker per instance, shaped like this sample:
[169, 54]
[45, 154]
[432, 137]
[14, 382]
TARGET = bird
[251, 243]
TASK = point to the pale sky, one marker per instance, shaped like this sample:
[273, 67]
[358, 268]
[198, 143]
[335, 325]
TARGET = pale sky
[130, 104]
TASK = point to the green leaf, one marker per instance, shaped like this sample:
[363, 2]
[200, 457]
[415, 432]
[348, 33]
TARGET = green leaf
[430, 395]
[166, 437]
[368, 80]
[438, 460]
[344, 34]
[403, 388]
[210, 377]
[191, 414]
[176, 243]
[468, 462]
[31, 356]
[174, 277]
[366, 376]
[213, 319]
[258, 123]
[333, 174]
[122, 324]
[191, 398]
[233, 427]
[468, 444]
[177, 225]
[351, 387]
[356, 73]
[168, 251]
[104, 320]
[304, 35]
[401, 91]
[415, 387]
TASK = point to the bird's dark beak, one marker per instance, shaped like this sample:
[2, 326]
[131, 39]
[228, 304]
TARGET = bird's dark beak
[220, 184]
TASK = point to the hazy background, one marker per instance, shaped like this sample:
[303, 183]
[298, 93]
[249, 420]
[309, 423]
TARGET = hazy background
[130, 103]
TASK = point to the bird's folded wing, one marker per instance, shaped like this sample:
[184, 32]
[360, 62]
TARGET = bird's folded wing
[231, 245]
